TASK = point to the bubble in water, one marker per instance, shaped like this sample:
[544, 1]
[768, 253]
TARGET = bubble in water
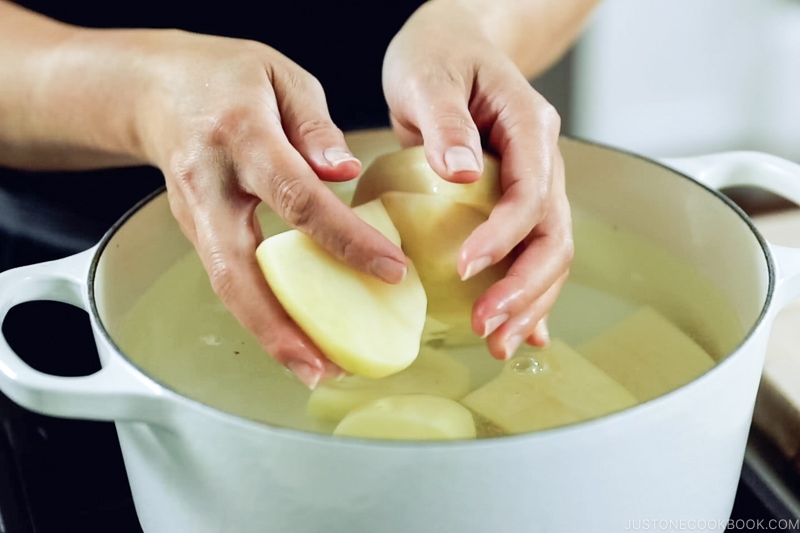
[527, 365]
[211, 340]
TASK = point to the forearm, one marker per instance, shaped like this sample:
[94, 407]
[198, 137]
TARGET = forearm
[534, 33]
[68, 95]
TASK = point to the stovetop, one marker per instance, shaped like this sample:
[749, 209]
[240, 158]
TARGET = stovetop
[57, 475]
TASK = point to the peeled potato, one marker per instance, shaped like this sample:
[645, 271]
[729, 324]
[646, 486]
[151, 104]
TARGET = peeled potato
[433, 372]
[432, 230]
[409, 417]
[647, 354]
[408, 170]
[542, 388]
[364, 325]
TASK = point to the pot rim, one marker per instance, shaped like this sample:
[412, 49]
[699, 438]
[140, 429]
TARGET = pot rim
[327, 439]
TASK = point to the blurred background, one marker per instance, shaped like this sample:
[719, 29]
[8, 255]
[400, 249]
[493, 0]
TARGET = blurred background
[684, 77]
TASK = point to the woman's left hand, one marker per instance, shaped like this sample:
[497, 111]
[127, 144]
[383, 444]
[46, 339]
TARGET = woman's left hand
[449, 86]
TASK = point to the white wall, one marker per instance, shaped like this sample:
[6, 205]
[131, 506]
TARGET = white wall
[682, 77]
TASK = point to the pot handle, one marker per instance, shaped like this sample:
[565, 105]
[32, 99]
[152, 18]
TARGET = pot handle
[764, 171]
[116, 392]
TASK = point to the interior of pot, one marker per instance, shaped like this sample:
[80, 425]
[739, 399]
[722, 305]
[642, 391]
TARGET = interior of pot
[617, 199]
[699, 227]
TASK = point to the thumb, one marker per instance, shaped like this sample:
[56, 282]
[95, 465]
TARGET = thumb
[451, 138]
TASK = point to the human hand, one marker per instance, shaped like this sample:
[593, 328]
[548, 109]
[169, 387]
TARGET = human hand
[232, 123]
[448, 85]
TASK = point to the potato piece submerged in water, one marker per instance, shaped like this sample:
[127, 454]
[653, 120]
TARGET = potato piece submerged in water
[647, 354]
[408, 170]
[409, 417]
[364, 325]
[543, 388]
[432, 230]
[433, 372]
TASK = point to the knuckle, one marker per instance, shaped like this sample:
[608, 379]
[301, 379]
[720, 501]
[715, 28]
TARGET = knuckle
[314, 127]
[226, 126]
[347, 249]
[541, 115]
[301, 80]
[432, 79]
[184, 170]
[220, 276]
[549, 117]
[181, 213]
[535, 191]
[567, 251]
[452, 122]
[184, 173]
[450, 76]
[293, 202]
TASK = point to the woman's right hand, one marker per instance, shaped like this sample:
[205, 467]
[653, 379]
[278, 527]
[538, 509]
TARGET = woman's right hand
[231, 123]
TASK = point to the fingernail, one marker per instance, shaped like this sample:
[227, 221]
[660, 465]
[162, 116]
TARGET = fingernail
[476, 266]
[511, 345]
[333, 371]
[388, 270]
[336, 156]
[493, 323]
[541, 331]
[305, 373]
[460, 159]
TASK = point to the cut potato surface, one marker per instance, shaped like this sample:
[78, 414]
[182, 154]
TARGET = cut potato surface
[364, 325]
[647, 354]
[543, 388]
[432, 230]
[433, 372]
[409, 417]
[408, 171]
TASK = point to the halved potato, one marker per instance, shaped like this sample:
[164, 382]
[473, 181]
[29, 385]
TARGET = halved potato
[409, 417]
[543, 388]
[433, 372]
[432, 229]
[364, 325]
[408, 170]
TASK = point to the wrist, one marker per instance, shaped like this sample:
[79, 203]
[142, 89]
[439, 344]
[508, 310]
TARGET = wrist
[534, 34]
[96, 91]
[73, 99]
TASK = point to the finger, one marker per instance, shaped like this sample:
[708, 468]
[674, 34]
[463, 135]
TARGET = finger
[270, 168]
[527, 175]
[530, 324]
[541, 334]
[437, 111]
[407, 134]
[180, 210]
[291, 188]
[311, 131]
[226, 240]
[547, 254]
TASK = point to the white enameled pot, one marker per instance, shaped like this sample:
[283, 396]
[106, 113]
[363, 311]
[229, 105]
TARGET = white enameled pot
[671, 461]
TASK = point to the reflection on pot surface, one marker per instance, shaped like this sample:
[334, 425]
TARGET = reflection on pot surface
[631, 324]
